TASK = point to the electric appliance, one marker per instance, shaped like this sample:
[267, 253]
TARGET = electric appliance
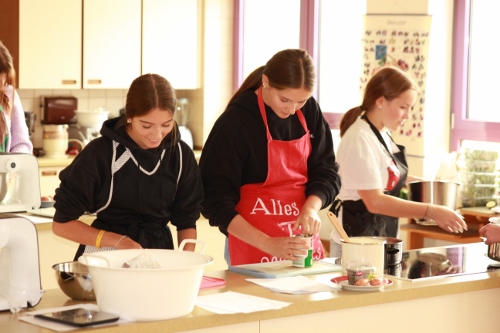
[58, 109]
[90, 123]
[20, 285]
[439, 262]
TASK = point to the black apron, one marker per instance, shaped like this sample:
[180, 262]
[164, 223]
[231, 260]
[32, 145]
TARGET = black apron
[356, 219]
[149, 231]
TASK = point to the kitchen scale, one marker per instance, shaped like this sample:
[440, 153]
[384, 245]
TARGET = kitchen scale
[438, 262]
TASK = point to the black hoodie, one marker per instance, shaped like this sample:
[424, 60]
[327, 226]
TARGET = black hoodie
[145, 190]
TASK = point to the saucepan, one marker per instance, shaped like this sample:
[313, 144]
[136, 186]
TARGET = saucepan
[393, 251]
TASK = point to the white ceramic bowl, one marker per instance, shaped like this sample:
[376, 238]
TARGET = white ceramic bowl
[91, 119]
[147, 294]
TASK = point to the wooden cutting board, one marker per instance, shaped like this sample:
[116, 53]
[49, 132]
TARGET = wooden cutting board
[284, 268]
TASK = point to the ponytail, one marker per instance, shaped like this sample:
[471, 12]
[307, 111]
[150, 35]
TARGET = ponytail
[253, 81]
[348, 119]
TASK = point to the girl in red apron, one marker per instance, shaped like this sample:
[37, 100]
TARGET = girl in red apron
[273, 206]
[268, 165]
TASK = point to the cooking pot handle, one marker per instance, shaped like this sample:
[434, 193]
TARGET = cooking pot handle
[87, 258]
[202, 243]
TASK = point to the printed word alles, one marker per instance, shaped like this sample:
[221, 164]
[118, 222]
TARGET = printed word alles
[275, 207]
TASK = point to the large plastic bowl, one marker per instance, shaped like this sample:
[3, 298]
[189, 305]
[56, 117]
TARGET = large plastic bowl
[147, 294]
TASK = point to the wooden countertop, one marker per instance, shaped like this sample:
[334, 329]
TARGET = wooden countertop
[399, 291]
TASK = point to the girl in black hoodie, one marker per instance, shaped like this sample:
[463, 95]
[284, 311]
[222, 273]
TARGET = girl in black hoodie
[137, 177]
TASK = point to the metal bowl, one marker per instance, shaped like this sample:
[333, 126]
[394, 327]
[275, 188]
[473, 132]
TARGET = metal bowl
[74, 280]
[435, 192]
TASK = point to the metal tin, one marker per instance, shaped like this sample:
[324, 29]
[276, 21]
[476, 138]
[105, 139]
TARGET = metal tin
[305, 261]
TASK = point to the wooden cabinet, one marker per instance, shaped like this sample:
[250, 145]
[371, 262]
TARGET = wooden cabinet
[170, 41]
[94, 44]
[49, 180]
[111, 43]
[44, 38]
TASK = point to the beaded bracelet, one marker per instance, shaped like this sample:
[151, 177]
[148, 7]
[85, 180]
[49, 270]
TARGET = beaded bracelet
[99, 238]
[122, 237]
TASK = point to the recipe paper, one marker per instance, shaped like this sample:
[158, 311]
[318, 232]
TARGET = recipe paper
[292, 285]
[230, 302]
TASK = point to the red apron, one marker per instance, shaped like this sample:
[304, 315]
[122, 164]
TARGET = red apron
[273, 206]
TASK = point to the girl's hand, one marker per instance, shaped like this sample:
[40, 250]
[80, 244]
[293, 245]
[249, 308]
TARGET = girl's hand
[309, 221]
[491, 232]
[446, 218]
[288, 248]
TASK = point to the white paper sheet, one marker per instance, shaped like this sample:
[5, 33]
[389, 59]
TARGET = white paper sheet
[293, 285]
[230, 302]
[29, 318]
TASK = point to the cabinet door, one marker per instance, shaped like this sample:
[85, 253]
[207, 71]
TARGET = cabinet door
[49, 180]
[170, 41]
[50, 44]
[111, 43]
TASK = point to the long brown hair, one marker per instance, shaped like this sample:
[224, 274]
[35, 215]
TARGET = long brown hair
[291, 68]
[7, 68]
[148, 92]
[388, 82]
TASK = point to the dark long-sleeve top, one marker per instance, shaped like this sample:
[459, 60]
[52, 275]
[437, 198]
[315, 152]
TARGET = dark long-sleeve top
[235, 154]
[169, 190]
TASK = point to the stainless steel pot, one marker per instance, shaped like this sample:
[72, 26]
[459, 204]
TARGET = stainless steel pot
[393, 251]
[435, 192]
[494, 251]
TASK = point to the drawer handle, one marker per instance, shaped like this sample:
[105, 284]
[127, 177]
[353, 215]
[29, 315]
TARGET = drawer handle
[49, 173]
[94, 81]
[68, 81]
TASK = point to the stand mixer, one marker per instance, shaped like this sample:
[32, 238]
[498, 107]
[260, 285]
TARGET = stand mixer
[20, 285]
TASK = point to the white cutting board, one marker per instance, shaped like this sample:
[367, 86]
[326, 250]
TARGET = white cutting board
[279, 269]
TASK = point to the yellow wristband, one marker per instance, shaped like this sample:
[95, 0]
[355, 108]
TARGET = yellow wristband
[98, 239]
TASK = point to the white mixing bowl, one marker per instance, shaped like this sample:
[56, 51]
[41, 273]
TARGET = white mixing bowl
[147, 294]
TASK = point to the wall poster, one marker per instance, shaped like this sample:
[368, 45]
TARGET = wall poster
[401, 41]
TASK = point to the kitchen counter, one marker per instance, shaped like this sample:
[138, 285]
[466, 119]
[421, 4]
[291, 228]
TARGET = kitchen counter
[54, 162]
[466, 303]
